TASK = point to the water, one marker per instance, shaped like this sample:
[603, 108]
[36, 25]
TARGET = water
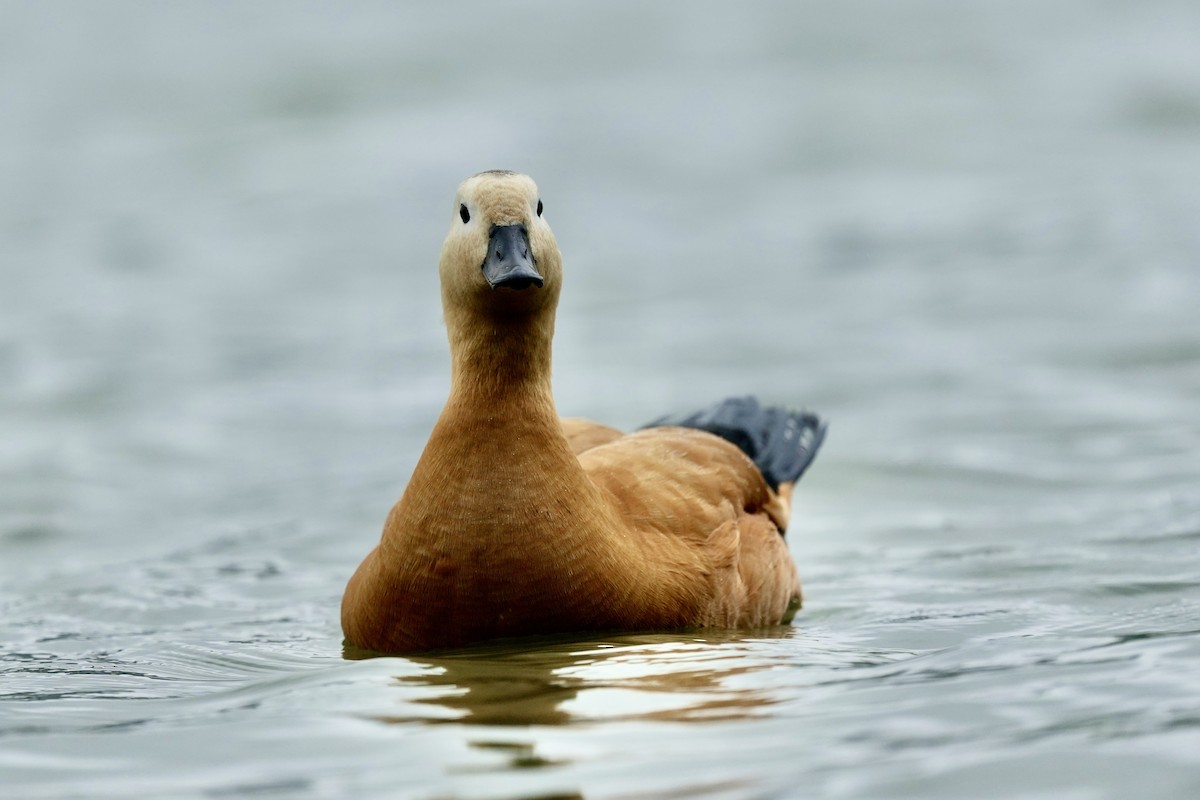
[964, 232]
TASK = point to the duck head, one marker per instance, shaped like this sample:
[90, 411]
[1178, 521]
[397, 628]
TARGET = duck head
[500, 257]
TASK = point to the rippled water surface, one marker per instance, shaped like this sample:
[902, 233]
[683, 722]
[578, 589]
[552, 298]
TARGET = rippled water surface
[965, 232]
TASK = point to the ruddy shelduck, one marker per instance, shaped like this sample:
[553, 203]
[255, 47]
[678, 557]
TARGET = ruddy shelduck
[516, 522]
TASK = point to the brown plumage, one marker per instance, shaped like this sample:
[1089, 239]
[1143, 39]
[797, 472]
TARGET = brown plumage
[517, 522]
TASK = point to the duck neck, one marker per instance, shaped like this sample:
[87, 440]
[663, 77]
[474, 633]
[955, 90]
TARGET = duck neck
[498, 442]
[503, 362]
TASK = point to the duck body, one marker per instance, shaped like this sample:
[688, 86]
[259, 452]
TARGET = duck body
[516, 522]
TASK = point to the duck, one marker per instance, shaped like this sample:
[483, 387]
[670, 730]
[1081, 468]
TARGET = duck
[518, 523]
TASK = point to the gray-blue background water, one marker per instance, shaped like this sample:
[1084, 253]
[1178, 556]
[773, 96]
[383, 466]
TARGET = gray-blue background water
[966, 232]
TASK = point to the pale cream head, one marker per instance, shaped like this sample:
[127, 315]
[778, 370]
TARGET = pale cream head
[499, 216]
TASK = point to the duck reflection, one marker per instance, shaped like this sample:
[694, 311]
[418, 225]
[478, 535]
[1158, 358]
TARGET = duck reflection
[678, 677]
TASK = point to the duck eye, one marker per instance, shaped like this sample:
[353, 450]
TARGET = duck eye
[463, 213]
[539, 210]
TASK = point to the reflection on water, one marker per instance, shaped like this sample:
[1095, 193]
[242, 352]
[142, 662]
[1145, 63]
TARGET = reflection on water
[634, 677]
[519, 755]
